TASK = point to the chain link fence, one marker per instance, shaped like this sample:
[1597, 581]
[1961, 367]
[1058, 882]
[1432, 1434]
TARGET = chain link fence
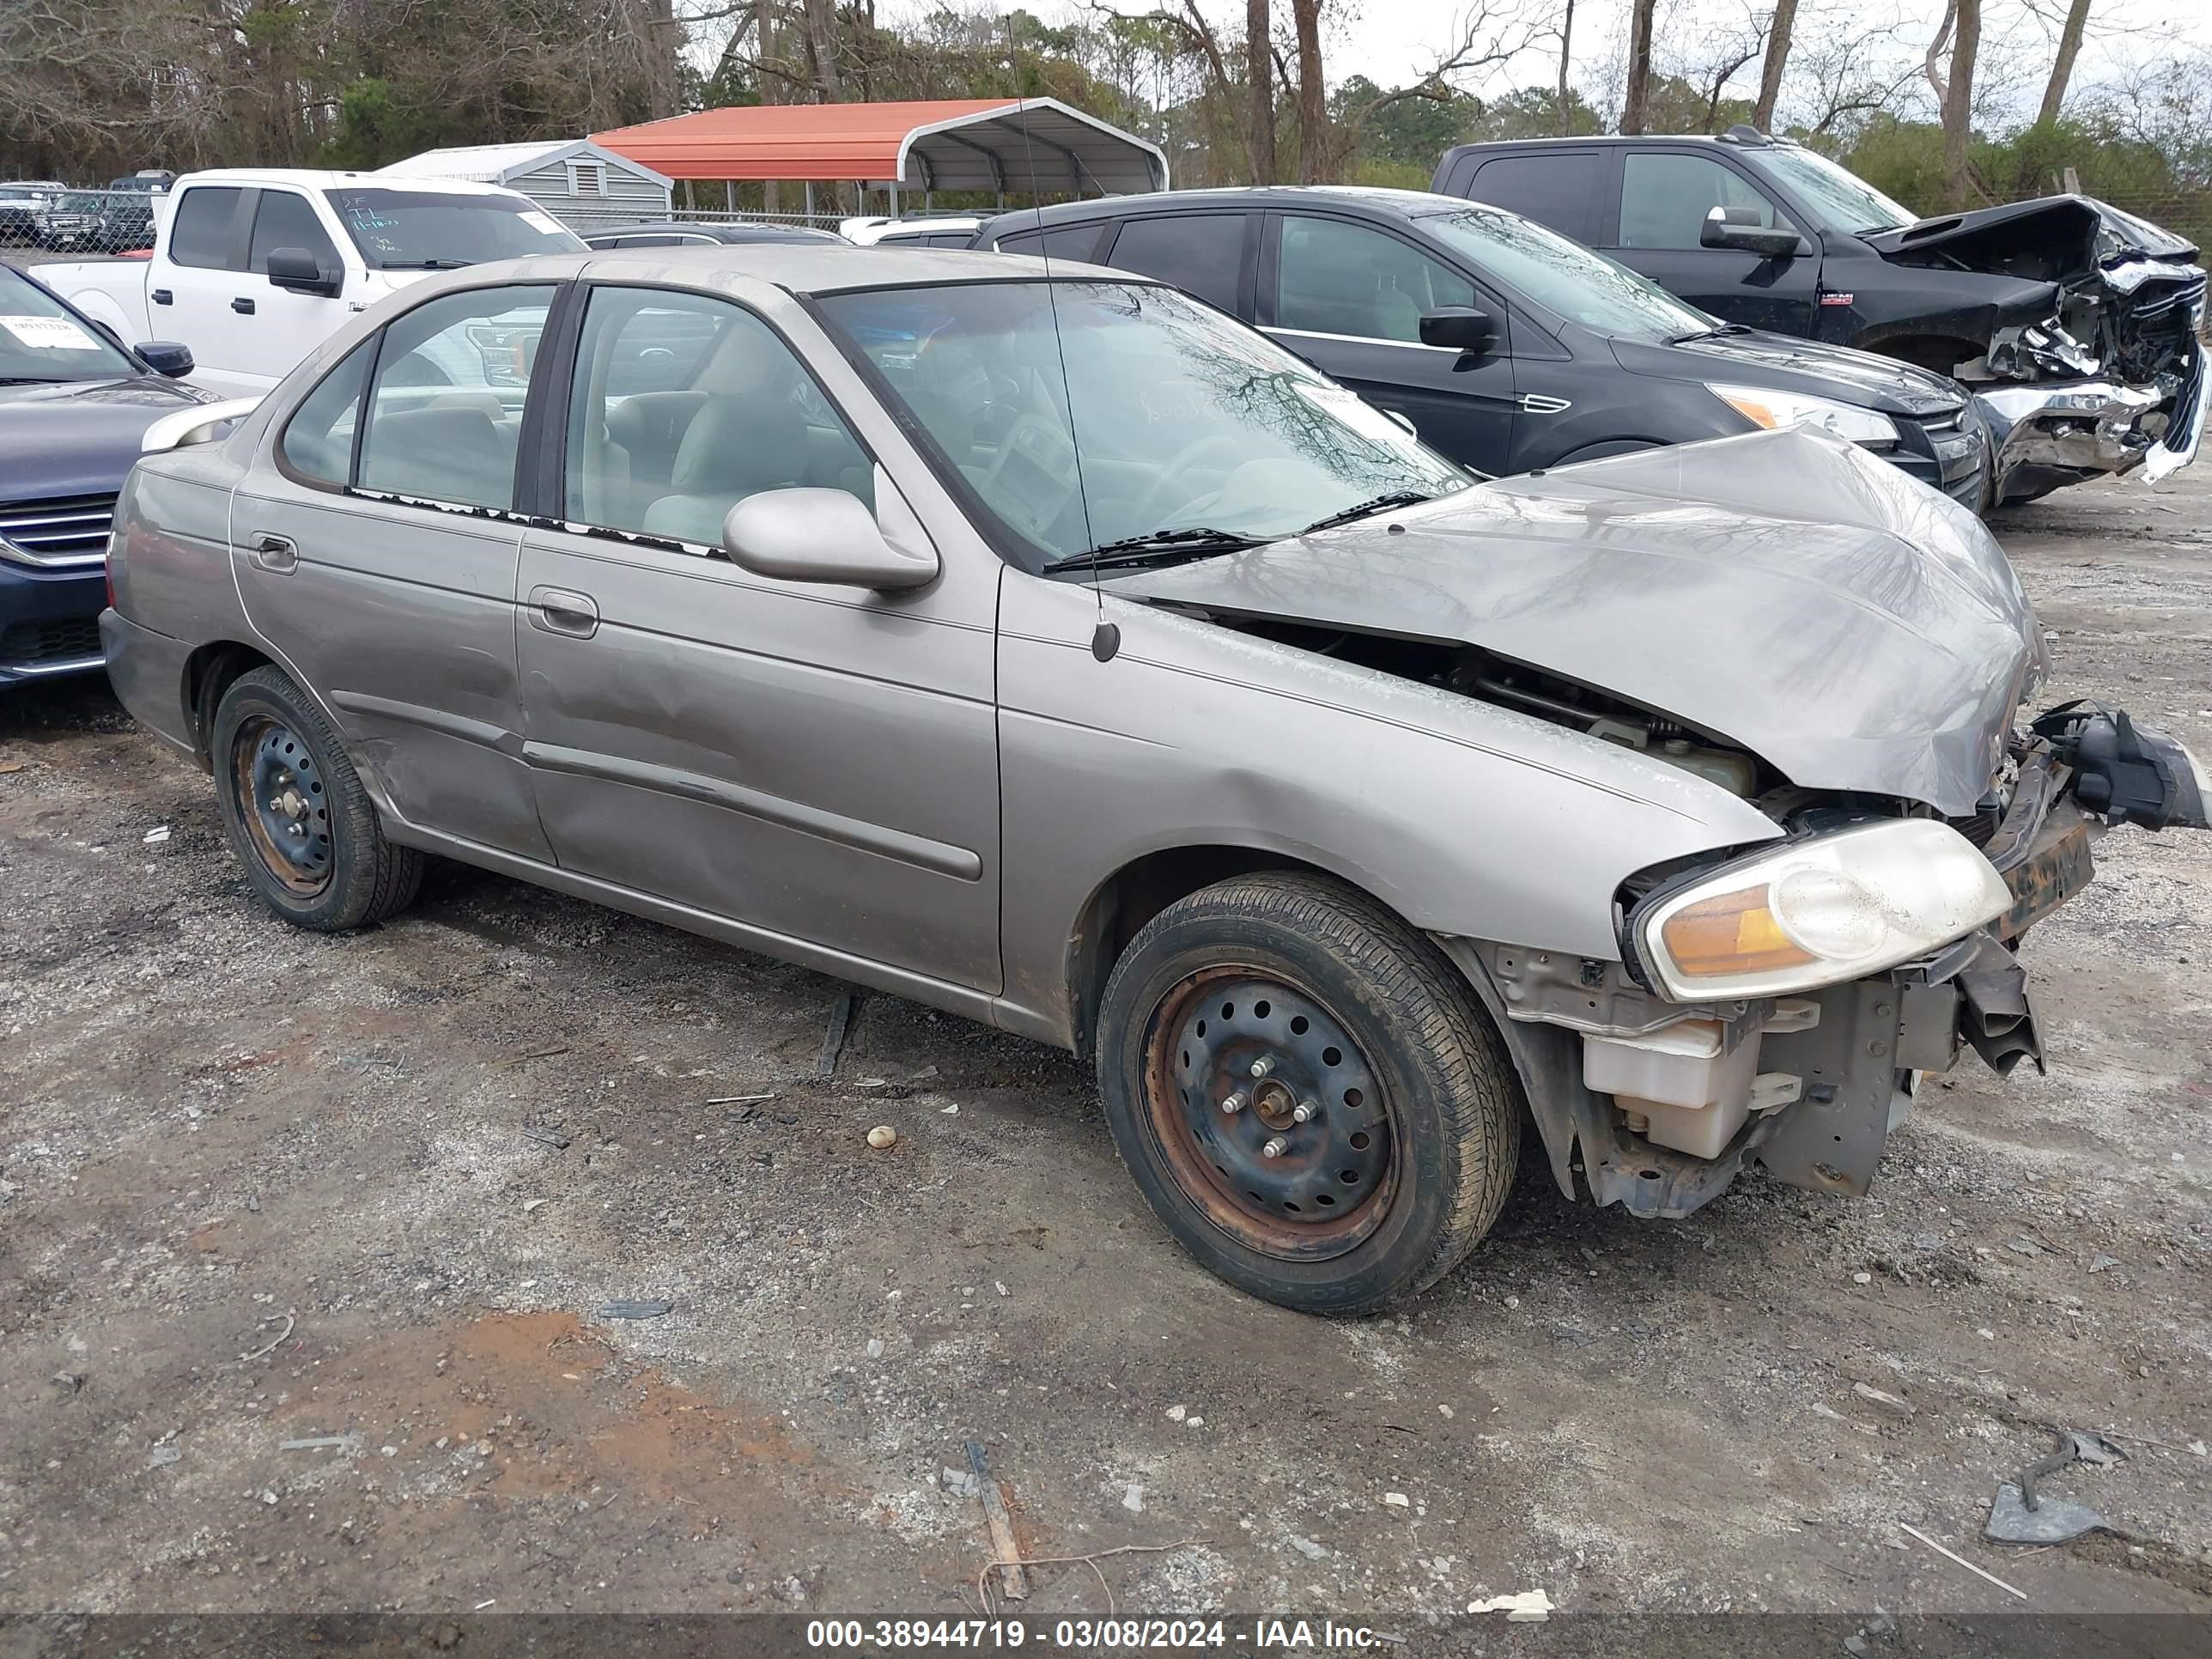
[52, 221]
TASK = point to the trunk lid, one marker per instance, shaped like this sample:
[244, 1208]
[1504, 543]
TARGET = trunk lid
[1783, 590]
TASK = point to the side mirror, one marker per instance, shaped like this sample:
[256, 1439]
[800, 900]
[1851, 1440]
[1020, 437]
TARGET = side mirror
[299, 271]
[1458, 328]
[809, 535]
[1738, 228]
[165, 357]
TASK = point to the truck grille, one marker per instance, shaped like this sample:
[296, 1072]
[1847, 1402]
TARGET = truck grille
[67, 532]
[35, 644]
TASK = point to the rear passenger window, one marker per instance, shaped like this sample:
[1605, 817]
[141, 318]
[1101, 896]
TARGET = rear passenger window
[1664, 199]
[317, 442]
[683, 406]
[202, 234]
[1201, 253]
[284, 220]
[1558, 188]
[445, 415]
[1059, 242]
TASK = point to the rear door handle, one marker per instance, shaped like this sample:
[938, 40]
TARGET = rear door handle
[163, 297]
[560, 611]
[242, 306]
[276, 553]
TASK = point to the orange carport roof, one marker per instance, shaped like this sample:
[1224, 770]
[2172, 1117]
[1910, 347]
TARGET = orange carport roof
[1035, 145]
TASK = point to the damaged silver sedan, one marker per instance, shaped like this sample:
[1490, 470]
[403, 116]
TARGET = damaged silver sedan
[1053, 650]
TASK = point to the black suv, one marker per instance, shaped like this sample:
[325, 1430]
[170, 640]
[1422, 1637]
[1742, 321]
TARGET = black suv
[1508, 348]
[2075, 322]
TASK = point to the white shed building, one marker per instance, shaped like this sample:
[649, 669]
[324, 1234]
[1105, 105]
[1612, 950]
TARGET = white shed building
[578, 182]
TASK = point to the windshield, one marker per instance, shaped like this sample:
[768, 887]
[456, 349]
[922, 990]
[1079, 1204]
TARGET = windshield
[1141, 412]
[1565, 276]
[40, 339]
[1845, 201]
[411, 229]
[79, 201]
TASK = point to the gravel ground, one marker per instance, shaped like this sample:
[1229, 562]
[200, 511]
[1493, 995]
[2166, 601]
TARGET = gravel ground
[259, 1187]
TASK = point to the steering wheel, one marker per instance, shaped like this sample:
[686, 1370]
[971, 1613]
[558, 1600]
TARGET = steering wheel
[1206, 450]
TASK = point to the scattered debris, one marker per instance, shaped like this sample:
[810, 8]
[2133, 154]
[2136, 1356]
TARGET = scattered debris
[1133, 1499]
[833, 1040]
[349, 1444]
[1962, 1560]
[1397, 1500]
[290, 1320]
[882, 1137]
[531, 1205]
[741, 1100]
[622, 1308]
[1005, 1550]
[6, 767]
[1861, 1279]
[1902, 1407]
[2100, 1261]
[559, 1143]
[154, 836]
[537, 1054]
[1306, 1547]
[923, 1075]
[1177, 1413]
[960, 1483]
[1527, 1608]
[68, 1382]
[953, 1110]
[162, 1455]
[875, 1348]
[2021, 1514]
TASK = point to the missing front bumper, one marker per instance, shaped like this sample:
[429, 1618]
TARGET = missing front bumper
[2047, 434]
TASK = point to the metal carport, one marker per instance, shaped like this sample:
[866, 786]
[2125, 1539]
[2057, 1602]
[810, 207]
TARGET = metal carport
[1036, 147]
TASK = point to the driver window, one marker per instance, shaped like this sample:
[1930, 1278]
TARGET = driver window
[1336, 277]
[1664, 199]
[684, 405]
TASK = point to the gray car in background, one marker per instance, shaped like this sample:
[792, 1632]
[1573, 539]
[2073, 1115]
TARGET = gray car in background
[1061, 653]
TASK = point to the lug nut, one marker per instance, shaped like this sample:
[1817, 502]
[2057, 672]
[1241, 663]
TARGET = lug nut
[1304, 1112]
[1234, 1104]
[1276, 1148]
[1263, 1066]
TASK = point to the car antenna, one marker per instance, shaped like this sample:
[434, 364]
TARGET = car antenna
[1105, 637]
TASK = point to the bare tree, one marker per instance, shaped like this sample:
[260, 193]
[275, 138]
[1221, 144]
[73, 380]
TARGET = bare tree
[1965, 18]
[2061, 66]
[818, 19]
[1636, 102]
[1313, 95]
[1566, 53]
[1259, 73]
[1778, 32]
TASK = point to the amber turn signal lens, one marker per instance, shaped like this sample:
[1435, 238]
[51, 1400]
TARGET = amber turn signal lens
[1727, 934]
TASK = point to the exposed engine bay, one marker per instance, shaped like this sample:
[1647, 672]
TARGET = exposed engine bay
[2104, 373]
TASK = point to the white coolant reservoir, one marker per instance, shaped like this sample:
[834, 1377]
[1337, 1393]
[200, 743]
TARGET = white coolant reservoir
[1694, 1082]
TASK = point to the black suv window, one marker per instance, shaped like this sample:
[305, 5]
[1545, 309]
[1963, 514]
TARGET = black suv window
[1559, 188]
[202, 235]
[1200, 253]
[1664, 199]
[1061, 241]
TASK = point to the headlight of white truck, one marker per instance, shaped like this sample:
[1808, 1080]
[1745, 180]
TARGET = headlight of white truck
[1818, 912]
[1774, 408]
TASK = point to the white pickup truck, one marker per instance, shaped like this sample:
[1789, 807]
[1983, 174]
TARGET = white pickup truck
[253, 269]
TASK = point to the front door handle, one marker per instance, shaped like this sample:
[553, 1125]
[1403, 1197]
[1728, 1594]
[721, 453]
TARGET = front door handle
[279, 554]
[561, 610]
[163, 297]
[242, 306]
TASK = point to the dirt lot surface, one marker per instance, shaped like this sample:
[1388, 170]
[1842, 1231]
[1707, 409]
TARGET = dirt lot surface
[259, 1187]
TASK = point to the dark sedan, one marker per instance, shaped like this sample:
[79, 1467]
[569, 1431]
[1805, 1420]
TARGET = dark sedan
[698, 234]
[1509, 347]
[73, 404]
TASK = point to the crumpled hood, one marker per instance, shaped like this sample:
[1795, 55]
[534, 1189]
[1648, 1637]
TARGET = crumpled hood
[2053, 238]
[1784, 590]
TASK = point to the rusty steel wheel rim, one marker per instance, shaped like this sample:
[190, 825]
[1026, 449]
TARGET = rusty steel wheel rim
[282, 804]
[1268, 1115]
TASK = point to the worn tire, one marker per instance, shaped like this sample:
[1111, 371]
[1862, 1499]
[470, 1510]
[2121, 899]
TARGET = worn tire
[369, 877]
[1453, 1101]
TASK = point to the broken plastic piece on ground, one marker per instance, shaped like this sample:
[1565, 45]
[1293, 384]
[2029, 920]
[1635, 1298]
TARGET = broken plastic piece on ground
[1527, 1608]
[629, 1310]
[2019, 1514]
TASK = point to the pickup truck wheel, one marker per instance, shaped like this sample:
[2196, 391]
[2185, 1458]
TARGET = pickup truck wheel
[301, 824]
[1306, 1094]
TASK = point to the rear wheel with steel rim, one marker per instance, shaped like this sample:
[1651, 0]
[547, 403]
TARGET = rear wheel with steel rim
[305, 830]
[1306, 1092]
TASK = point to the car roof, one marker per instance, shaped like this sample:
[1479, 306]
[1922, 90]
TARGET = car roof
[1397, 204]
[324, 179]
[795, 267]
[718, 229]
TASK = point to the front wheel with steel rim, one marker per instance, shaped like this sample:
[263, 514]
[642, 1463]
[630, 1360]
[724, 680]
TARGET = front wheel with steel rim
[1306, 1092]
[302, 826]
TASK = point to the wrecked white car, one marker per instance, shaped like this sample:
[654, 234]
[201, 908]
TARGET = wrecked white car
[1049, 648]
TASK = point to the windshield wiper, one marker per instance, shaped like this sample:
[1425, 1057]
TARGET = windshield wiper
[426, 264]
[1196, 542]
[1712, 333]
[1361, 509]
